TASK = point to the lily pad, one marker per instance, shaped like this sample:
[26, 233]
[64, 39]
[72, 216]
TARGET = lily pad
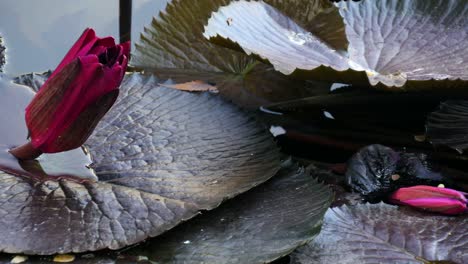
[160, 155]
[409, 40]
[2, 54]
[260, 226]
[390, 42]
[34, 80]
[386, 234]
[273, 36]
[173, 47]
[448, 125]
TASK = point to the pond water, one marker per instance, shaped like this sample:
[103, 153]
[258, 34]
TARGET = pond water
[39, 33]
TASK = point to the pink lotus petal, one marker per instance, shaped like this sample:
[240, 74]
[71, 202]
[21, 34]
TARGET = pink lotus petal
[81, 47]
[441, 205]
[442, 200]
[423, 191]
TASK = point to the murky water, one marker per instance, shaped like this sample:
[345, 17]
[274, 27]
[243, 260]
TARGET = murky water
[39, 33]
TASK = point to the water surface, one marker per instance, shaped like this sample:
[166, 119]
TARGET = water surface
[39, 33]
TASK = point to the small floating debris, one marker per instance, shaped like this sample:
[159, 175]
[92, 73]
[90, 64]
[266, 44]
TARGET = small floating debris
[420, 138]
[328, 115]
[142, 258]
[64, 258]
[193, 86]
[19, 259]
[277, 131]
[337, 86]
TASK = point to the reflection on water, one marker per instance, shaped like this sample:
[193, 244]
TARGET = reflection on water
[39, 33]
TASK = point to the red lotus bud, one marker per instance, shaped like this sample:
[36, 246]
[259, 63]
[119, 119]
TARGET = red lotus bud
[83, 87]
[434, 199]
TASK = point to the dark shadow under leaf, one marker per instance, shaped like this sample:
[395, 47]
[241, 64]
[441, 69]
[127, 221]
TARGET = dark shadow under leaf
[448, 125]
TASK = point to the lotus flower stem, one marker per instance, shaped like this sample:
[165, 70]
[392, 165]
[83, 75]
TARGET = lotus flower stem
[26, 152]
[125, 20]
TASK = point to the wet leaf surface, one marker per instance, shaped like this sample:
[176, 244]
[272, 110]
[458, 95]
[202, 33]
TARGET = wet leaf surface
[273, 36]
[195, 137]
[386, 234]
[174, 40]
[320, 17]
[448, 125]
[427, 43]
[257, 227]
[160, 154]
[173, 46]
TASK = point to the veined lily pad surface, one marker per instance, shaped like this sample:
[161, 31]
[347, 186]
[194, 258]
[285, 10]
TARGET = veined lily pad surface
[257, 227]
[173, 46]
[383, 233]
[160, 156]
[392, 42]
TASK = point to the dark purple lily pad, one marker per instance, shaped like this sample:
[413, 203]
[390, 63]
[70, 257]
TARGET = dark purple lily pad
[173, 46]
[260, 226]
[409, 40]
[448, 125]
[161, 155]
[273, 36]
[390, 42]
[383, 233]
